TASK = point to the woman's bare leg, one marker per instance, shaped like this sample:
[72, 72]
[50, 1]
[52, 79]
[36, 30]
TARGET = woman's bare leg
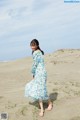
[50, 105]
[42, 110]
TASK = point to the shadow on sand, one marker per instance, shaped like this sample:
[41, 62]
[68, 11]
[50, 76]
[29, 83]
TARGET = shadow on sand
[52, 96]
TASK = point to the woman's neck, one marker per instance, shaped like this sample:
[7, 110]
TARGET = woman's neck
[36, 50]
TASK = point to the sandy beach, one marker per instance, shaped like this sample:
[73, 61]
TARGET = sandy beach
[63, 84]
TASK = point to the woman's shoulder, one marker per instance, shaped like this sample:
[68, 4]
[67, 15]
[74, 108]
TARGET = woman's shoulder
[36, 52]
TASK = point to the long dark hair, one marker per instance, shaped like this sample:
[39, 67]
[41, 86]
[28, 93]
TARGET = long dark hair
[36, 42]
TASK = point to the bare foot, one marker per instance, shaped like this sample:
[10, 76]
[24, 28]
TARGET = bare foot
[50, 107]
[41, 113]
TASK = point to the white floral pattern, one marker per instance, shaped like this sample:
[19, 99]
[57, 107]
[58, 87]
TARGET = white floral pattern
[36, 89]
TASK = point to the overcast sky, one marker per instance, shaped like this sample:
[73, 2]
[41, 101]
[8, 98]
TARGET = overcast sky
[54, 23]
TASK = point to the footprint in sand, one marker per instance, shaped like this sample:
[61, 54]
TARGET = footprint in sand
[10, 105]
[75, 118]
[22, 111]
[1, 97]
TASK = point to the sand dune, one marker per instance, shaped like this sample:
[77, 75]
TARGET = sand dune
[63, 84]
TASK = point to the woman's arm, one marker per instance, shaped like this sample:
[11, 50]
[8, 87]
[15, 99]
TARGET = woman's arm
[36, 58]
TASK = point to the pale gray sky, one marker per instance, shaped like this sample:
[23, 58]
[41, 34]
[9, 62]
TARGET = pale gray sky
[54, 23]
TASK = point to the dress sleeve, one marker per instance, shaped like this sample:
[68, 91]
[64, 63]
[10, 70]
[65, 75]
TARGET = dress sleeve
[36, 60]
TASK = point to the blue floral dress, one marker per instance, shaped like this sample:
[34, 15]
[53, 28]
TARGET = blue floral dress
[36, 89]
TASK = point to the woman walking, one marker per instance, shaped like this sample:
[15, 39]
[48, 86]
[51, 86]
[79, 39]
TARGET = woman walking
[36, 88]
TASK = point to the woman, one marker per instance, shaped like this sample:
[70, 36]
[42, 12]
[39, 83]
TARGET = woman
[36, 89]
